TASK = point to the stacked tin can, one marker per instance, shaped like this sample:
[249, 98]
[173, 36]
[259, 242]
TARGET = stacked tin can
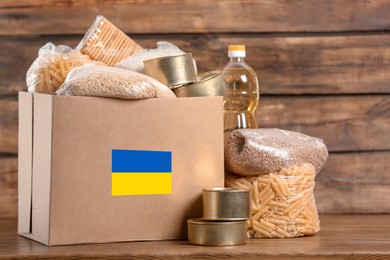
[225, 215]
[179, 74]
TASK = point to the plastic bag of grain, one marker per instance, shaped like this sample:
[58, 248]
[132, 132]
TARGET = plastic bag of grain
[136, 62]
[105, 81]
[279, 168]
[50, 68]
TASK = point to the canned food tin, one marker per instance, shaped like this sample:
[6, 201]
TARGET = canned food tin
[226, 204]
[173, 71]
[216, 233]
[208, 84]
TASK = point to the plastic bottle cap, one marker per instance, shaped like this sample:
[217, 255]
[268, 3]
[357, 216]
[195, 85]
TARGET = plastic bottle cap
[236, 51]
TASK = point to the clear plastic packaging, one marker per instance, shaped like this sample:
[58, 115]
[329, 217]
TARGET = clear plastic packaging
[283, 203]
[266, 150]
[279, 168]
[50, 68]
[105, 81]
[136, 61]
[106, 43]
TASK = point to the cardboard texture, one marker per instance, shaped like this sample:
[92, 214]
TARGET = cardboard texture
[65, 147]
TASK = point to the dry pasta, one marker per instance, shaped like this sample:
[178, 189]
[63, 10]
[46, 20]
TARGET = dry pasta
[50, 69]
[282, 202]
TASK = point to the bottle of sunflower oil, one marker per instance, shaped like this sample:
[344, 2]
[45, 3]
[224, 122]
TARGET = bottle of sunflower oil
[242, 95]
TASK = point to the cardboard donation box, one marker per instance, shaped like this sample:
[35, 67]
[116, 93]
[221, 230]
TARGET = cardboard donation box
[95, 170]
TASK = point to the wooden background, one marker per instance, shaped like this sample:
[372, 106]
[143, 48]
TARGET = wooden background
[323, 67]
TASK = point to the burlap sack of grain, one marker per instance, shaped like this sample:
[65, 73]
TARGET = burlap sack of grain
[278, 167]
[105, 81]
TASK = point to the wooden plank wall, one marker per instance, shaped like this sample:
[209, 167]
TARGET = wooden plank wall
[323, 66]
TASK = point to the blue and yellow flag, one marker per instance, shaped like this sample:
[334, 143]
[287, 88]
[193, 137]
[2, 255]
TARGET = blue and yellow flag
[137, 172]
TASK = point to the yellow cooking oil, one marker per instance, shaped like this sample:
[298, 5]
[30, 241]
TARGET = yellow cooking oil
[242, 96]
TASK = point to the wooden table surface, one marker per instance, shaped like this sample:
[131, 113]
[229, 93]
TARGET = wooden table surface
[341, 237]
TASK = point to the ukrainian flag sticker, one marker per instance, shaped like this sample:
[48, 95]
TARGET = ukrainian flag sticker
[136, 172]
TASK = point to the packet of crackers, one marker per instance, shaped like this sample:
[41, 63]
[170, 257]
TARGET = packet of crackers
[106, 43]
[49, 70]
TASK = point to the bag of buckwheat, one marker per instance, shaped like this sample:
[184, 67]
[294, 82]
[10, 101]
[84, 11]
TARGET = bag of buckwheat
[105, 81]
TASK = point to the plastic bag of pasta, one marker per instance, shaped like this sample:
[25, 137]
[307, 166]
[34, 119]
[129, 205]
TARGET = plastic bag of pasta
[279, 167]
[283, 203]
[50, 68]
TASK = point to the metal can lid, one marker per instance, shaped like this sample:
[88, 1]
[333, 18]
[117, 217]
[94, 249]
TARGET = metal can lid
[208, 84]
[173, 71]
[224, 189]
[220, 203]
